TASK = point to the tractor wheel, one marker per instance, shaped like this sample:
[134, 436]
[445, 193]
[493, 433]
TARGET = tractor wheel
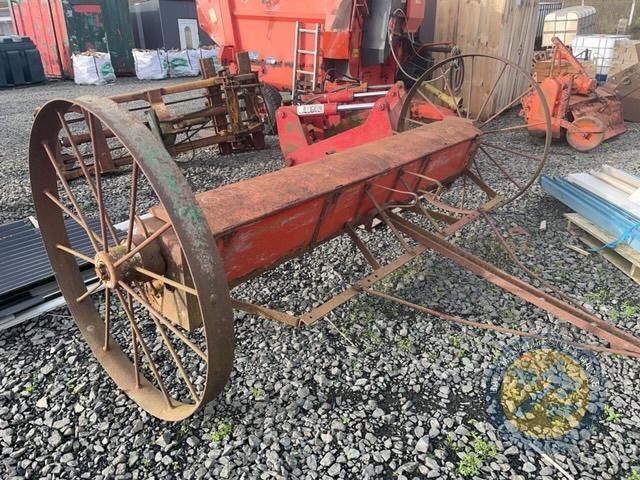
[268, 103]
[115, 264]
[588, 134]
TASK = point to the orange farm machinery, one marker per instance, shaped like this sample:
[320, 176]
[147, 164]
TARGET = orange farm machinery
[150, 288]
[305, 46]
[581, 110]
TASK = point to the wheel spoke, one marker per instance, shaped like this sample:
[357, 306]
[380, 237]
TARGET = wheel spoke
[134, 345]
[176, 359]
[75, 253]
[132, 206]
[504, 109]
[100, 148]
[107, 317]
[167, 281]
[83, 166]
[510, 150]
[74, 217]
[142, 245]
[162, 319]
[417, 122]
[89, 292]
[427, 99]
[453, 98]
[145, 349]
[469, 97]
[67, 189]
[501, 168]
[493, 89]
[464, 188]
[511, 129]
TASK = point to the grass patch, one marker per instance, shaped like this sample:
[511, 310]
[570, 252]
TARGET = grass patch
[611, 416]
[469, 465]
[224, 430]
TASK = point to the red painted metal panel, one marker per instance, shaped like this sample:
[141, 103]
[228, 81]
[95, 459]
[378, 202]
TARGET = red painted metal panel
[262, 221]
[415, 14]
[44, 22]
[268, 28]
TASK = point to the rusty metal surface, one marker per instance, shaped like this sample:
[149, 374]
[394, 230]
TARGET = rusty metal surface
[627, 87]
[187, 222]
[564, 311]
[257, 212]
[223, 111]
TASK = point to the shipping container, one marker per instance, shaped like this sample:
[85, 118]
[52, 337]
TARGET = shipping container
[167, 24]
[567, 23]
[61, 28]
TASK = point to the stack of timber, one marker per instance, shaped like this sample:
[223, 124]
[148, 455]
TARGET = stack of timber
[626, 53]
[504, 28]
[607, 218]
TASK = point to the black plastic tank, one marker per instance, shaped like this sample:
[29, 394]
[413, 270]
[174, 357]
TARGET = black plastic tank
[20, 62]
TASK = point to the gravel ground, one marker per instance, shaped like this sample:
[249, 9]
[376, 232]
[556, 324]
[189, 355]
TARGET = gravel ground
[406, 402]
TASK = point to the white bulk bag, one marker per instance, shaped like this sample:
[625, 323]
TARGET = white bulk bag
[150, 64]
[211, 52]
[181, 64]
[92, 68]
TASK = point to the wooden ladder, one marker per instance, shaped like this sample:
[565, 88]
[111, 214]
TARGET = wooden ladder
[304, 81]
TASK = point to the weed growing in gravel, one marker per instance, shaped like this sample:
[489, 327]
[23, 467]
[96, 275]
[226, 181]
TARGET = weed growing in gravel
[484, 450]
[469, 465]
[223, 431]
[630, 310]
[29, 388]
[432, 356]
[600, 296]
[404, 343]
[455, 340]
[146, 461]
[257, 393]
[451, 442]
[373, 337]
[635, 475]
[184, 429]
[611, 415]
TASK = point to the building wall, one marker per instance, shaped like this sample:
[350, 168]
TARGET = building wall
[609, 12]
[155, 23]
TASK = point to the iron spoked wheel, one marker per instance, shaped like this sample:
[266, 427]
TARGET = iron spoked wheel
[170, 371]
[507, 161]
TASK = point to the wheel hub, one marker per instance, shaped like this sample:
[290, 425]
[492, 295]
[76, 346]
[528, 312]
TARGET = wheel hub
[106, 269]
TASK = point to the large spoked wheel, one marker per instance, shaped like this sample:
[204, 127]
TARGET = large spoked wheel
[508, 160]
[169, 369]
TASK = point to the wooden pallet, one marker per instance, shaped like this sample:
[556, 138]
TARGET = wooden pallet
[623, 257]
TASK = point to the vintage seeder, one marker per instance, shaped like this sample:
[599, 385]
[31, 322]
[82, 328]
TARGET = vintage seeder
[160, 319]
